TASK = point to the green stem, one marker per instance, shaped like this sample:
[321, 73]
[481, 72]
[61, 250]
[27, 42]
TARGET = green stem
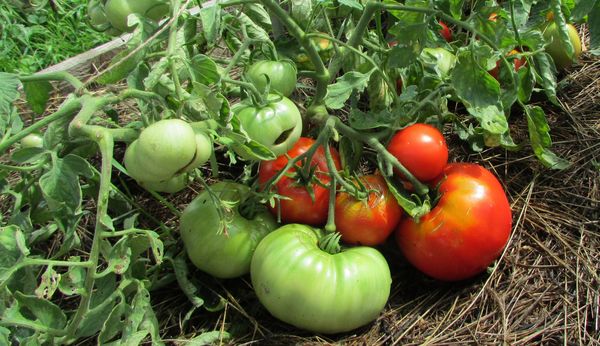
[54, 76]
[374, 143]
[23, 168]
[172, 47]
[249, 86]
[47, 262]
[322, 74]
[356, 37]
[69, 107]
[330, 225]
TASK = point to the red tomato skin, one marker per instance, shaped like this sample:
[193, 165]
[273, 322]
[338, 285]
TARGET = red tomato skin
[518, 63]
[300, 208]
[445, 31]
[422, 149]
[467, 229]
[367, 222]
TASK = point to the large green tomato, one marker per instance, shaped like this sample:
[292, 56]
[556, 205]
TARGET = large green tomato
[118, 10]
[225, 255]
[165, 149]
[305, 286]
[557, 49]
[277, 125]
[282, 75]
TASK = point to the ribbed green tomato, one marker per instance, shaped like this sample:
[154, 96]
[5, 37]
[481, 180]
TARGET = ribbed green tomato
[118, 10]
[557, 49]
[282, 75]
[165, 149]
[225, 255]
[277, 125]
[305, 286]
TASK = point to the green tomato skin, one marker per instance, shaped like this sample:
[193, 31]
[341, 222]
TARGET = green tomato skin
[302, 285]
[282, 75]
[173, 185]
[226, 255]
[117, 11]
[556, 48]
[278, 125]
[32, 140]
[166, 149]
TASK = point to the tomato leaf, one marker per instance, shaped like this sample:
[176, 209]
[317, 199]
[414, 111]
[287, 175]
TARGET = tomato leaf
[114, 72]
[478, 90]
[72, 282]
[189, 289]
[9, 84]
[339, 92]
[204, 70]
[540, 138]
[32, 311]
[48, 283]
[561, 25]
[351, 152]
[546, 75]
[594, 27]
[453, 7]
[27, 155]
[113, 324]
[210, 16]
[37, 94]
[412, 208]
[583, 8]
[209, 338]
[365, 121]
[526, 83]
[60, 185]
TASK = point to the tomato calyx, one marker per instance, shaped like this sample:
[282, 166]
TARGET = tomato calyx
[330, 243]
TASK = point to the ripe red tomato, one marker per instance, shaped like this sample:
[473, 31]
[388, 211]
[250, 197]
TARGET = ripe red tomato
[518, 63]
[445, 31]
[300, 207]
[467, 229]
[367, 222]
[422, 149]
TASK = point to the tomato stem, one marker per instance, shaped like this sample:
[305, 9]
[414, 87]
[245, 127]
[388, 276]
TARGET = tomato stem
[330, 225]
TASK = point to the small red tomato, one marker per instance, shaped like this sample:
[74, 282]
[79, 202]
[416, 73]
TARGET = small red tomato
[445, 31]
[422, 149]
[367, 222]
[467, 229]
[518, 63]
[300, 207]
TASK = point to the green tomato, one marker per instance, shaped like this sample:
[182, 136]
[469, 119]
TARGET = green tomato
[117, 11]
[32, 140]
[225, 255]
[173, 185]
[96, 16]
[165, 149]
[557, 49]
[282, 75]
[302, 285]
[440, 59]
[277, 125]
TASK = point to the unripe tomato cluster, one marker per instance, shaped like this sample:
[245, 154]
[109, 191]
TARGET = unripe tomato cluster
[174, 144]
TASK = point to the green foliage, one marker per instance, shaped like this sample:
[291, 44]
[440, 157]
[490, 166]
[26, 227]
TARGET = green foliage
[36, 35]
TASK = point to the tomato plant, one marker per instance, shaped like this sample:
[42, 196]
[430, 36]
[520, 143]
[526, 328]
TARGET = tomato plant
[281, 75]
[277, 125]
[422, 149]
[367, 222]
[222, 244]
[306, 286]
[304, 200]
[467, 229]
